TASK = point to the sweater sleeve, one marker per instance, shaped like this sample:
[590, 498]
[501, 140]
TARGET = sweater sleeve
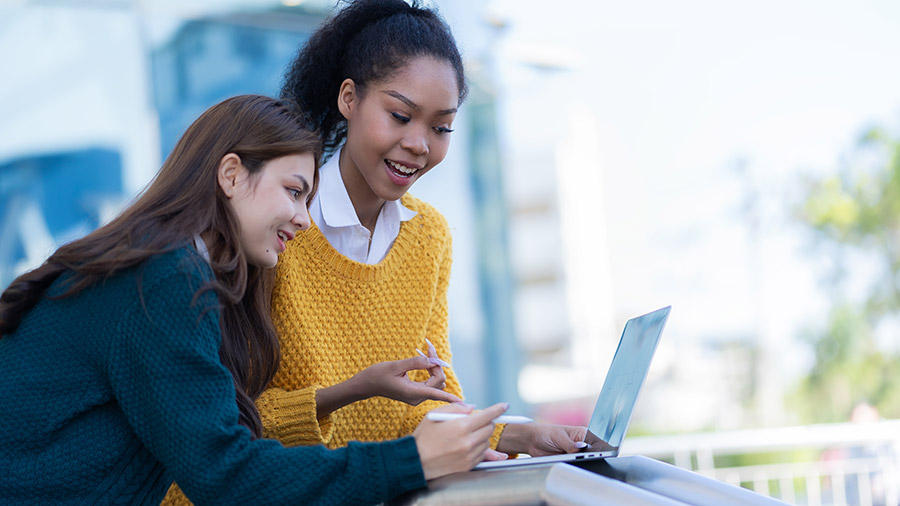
[437, 332]
[288, 414]
[164, 369]
[290, 417]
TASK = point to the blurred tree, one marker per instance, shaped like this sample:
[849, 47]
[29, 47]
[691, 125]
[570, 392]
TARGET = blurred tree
[856, 215]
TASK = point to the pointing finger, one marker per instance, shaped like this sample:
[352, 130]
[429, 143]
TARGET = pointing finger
[415, 363]
[436, 394]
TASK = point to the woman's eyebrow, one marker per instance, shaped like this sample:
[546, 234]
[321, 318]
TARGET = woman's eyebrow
[304, 184]
[403, 98]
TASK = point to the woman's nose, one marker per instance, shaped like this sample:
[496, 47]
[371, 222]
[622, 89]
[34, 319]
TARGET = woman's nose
[301, 218]
[416, 142]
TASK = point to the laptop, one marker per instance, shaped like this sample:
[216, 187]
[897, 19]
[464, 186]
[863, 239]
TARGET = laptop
[614, 407]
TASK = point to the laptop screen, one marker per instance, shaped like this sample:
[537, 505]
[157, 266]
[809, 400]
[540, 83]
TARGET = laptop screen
[625, 377]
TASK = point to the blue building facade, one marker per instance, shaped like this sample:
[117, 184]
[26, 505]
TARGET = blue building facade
[51, 194]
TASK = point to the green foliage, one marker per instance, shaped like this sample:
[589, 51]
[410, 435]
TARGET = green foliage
[849, 368]
[857, 210]
[861, 206]
[764, 458]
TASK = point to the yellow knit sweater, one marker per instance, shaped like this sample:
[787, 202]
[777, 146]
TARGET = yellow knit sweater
[335, 317]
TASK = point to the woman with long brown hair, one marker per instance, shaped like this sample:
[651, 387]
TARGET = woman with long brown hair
[133, 356]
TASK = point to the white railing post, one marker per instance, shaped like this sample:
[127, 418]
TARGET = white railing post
[683, 460]
[786, 488]
[838, 494]
[864, 456]
[813, 492]
[864, 482]
[761, 483]
[891, 485]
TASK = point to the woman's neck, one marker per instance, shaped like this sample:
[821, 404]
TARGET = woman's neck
[365, 202]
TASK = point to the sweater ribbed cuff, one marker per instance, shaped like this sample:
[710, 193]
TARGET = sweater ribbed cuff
[290, 417]
[495, 437]
[402, 466]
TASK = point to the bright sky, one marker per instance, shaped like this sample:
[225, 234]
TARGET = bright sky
[681, 94]
[661, 100]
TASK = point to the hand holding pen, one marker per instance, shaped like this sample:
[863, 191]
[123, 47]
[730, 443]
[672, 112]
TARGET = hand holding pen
[446, 417]
[459, 444]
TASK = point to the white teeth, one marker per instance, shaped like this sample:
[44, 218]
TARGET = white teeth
[282, 236]
[402, 168]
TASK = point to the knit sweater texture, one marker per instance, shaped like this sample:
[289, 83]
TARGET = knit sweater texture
[108, 395]
[335, 317]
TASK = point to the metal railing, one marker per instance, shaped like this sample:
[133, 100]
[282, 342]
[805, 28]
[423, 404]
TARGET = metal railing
[838, 464]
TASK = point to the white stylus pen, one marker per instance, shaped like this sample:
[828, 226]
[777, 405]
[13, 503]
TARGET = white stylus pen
[446, 417]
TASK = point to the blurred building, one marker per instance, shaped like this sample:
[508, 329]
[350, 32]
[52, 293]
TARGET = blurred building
[103, 89]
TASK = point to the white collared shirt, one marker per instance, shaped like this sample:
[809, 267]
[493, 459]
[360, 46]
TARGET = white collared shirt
[333, 212]
[200, 245]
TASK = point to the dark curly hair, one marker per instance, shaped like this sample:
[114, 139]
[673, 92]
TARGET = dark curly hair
[365, 41]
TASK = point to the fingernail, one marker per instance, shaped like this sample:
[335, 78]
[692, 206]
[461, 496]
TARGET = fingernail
[430, 346]
[581, 444]
[505, 406]
[420, 353]
[437, 361]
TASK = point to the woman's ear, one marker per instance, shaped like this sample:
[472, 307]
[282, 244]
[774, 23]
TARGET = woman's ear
[348, 98]
[229, 170]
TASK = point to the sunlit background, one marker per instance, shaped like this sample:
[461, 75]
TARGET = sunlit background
[737, 160]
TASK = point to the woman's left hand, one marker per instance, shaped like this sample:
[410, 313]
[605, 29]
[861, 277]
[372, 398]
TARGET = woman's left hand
[540, 439]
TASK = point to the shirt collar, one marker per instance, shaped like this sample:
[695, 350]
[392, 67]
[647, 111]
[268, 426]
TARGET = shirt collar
[200, 245]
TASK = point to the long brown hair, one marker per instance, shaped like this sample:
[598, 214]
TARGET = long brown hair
[184, 200]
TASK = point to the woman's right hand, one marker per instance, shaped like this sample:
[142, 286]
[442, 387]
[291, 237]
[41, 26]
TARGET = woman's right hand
[386, 379]
[456, 445]
[389, 379]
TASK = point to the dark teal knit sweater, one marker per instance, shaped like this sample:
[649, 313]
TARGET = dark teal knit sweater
[107, 396]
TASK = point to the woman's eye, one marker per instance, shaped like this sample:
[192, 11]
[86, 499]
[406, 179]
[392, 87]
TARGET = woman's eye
[399, 117]
[443, 130]
[295, 193]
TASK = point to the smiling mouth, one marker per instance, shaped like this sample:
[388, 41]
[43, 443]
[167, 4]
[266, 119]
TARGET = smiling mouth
[283, 238]
[401, 170]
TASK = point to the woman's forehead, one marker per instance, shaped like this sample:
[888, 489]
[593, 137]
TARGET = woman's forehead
[425, 81]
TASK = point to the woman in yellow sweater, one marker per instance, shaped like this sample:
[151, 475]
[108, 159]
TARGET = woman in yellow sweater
[132, 356]
[366, 286]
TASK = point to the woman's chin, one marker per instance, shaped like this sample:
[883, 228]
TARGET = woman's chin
[267, 261]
